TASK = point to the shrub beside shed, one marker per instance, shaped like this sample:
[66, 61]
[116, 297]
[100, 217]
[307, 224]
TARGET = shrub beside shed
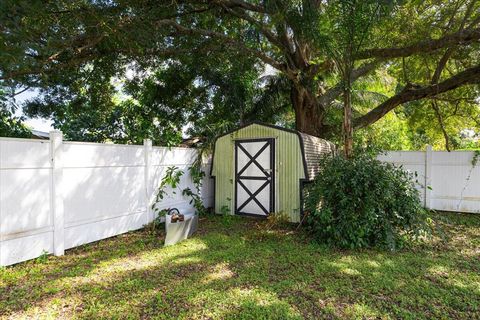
[260, 169]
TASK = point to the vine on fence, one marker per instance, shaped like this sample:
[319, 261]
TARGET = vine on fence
[172, 180]
[475, 160]
[197, 175]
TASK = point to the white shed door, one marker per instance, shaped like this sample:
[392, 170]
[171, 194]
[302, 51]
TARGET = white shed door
[254, 176]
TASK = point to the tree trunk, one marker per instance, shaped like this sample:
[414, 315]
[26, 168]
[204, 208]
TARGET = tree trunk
[308, 113]
[347, 123]
[442, 125]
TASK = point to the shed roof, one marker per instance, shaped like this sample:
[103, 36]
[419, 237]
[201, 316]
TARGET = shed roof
[313, 148]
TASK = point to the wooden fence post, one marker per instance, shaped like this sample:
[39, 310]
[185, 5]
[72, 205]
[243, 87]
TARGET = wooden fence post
[428, 177]
[148, 149]
[56, 153]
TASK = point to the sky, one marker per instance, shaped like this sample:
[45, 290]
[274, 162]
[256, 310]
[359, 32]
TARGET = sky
[36, 124]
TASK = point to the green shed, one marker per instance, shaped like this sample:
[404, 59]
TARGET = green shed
[260, 169]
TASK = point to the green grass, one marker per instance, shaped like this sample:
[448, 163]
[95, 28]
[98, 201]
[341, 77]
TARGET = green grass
[237, 268]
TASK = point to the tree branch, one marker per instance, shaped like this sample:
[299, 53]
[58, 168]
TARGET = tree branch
[458, 38]
[410, 93]
[443, 61]
[333, 93]
[242, 4]
[226, 39]
[438, 72]
[43, 68]
[441, 122]
[261, 27]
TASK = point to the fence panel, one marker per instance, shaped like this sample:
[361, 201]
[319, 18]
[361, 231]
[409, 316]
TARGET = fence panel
[453, 179]
[456, 182]
[26, 224]
[103, 191]
[57, 195]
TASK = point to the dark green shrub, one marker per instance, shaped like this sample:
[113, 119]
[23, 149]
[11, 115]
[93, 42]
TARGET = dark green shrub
[363, 202]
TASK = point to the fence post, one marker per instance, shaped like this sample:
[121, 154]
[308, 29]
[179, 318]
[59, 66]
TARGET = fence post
[147, 145]
[56, 153]
[428, 177]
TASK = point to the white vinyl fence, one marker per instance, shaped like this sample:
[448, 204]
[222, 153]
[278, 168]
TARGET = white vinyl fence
[447, 181]
[57, 195]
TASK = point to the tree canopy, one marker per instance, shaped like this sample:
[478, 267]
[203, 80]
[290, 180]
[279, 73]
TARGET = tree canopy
[202, 63]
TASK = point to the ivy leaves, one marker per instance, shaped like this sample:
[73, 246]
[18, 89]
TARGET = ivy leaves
[171, 180]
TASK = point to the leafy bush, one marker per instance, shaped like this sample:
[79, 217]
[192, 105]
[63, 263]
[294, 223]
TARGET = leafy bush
[362, 202]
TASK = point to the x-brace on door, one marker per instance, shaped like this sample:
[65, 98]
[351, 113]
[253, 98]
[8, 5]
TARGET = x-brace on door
[254, 176]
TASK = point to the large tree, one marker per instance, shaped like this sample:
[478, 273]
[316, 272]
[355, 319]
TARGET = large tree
[44, 44]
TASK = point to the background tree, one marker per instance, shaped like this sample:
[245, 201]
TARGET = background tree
[350, 25]
[45, 45]
[11, 125]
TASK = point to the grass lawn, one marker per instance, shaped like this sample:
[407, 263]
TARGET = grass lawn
[236, 269]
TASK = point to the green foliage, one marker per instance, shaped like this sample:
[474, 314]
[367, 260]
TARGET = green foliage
[170, 180]
[158, 224]
[12, 126]
[195, 200]
[225, 210]
[390, 133]
[476, 157]
[364, 203]
[102, 77]
[42, 258]
[228, 220]
[197, 175]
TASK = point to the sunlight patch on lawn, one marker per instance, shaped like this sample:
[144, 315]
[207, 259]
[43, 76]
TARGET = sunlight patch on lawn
[372, 264]
[439, 270]
[219, 272]
[182, 253]
[362, 311]
[350, 271]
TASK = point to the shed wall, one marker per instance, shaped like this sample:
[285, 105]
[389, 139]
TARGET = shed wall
[289, 168]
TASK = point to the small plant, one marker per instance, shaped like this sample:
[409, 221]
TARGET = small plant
[42, 258]
[476, 157]
[226, 216]
[224, 210]
[195, 200]
[362, 202]
[227, 220]
[172, 180]
[159, 221]
[197, 175]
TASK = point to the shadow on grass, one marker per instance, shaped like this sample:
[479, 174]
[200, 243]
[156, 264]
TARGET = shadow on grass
[239, 270]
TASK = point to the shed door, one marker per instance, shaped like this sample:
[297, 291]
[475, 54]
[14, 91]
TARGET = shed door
[254, 176]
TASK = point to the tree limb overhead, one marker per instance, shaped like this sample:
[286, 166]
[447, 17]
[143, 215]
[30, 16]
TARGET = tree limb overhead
[409, 93]
[458, 38]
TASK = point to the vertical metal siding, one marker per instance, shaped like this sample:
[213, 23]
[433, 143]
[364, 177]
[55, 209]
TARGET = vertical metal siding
[288, 168]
